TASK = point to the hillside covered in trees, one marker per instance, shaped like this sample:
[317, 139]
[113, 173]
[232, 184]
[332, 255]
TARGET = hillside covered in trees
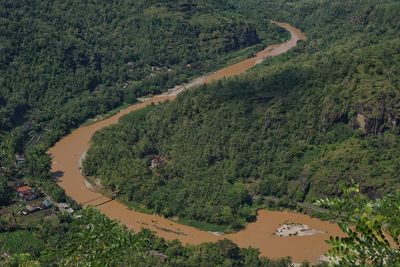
[299, 127]
[64, 62]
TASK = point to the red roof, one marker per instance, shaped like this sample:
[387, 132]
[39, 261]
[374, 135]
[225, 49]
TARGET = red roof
[24, 189]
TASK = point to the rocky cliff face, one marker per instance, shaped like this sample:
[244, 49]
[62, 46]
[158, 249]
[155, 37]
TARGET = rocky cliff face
[372, 119]
[271, 121]
[377, 120]
[370, 125]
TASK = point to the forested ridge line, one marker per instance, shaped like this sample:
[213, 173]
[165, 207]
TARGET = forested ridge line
[66, 154]
[72, 149]
[64, 62]
[298, 127]
[321, 117]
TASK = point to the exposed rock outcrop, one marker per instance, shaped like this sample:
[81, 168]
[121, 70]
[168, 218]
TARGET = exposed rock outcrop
[294, 229]
[372, 119]
[271, 121]
[375, 119]
[370, 125]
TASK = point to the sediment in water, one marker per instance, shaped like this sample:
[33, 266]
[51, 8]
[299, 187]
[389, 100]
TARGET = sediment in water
[67, 152]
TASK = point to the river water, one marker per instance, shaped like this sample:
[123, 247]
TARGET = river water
[68, 151]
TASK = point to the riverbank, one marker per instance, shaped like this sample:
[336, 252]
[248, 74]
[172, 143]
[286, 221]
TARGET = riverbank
[260, 234]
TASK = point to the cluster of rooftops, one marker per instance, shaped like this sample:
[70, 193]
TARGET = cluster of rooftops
[27, 193]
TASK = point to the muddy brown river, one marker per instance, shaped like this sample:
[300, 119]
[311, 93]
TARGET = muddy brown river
[260, 234]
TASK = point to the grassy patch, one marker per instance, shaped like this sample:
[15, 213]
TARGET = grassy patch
[106, 115]
[20, 242]
[242, 54]
[135, 206]
[205, 226]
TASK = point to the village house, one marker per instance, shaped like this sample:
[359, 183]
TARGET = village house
[46, 204]
[26, 192]
[30, 209]
[64, 207]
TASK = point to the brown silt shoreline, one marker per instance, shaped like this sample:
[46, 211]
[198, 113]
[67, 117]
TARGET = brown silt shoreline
[67, 152]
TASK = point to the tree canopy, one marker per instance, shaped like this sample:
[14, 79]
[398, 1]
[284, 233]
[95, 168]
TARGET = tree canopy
[300, 126]
[64, 62]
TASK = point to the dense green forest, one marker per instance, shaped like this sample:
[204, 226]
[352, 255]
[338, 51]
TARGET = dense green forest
[64, 62]
[298, 127]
